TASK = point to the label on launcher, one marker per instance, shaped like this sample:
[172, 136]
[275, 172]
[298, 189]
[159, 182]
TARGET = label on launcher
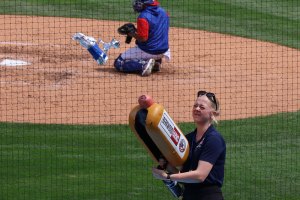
[172, 133]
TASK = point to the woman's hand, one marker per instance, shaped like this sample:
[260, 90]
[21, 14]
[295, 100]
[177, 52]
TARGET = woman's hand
[159, 174]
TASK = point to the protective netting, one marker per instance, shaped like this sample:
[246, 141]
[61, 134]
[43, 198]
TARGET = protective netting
[64, 116]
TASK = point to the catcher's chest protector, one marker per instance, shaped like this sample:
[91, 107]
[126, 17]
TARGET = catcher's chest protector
[159, 134]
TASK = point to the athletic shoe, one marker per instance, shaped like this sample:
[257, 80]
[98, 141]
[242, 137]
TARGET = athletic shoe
[147, 68]
[157, 65]
[85, 41]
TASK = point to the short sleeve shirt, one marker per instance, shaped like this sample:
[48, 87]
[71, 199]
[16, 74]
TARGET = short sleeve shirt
[210, 148]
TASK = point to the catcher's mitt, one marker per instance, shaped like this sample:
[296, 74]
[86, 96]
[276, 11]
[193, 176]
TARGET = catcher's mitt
[126, 29]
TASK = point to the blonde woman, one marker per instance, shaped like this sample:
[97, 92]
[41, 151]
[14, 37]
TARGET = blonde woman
[203, 173]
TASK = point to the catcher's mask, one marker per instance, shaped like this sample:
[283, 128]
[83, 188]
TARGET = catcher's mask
[139, 5]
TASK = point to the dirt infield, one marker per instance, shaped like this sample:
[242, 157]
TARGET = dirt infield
[65, 85]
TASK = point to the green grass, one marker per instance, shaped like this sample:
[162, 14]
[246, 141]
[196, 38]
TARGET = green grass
[276, 21]
[108, 162]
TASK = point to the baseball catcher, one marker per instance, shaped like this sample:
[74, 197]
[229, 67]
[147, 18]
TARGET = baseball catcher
[152, 39]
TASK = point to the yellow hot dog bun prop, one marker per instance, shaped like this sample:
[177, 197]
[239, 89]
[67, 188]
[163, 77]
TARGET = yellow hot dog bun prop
[158, 133]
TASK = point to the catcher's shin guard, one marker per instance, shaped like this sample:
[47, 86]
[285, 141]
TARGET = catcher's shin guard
[98, 54]
[128, 66]
[158, 133]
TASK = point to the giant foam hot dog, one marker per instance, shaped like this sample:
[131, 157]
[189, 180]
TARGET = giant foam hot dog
[159, 134]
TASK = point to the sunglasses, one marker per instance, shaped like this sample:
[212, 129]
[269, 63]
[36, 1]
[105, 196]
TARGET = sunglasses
[210, 96]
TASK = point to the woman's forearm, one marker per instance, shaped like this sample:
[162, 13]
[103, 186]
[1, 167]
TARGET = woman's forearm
[187, 177]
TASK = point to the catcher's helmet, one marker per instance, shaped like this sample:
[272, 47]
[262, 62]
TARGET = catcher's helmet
[139, 5]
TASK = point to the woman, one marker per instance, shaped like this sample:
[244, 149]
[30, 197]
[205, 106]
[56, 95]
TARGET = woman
[203, 172]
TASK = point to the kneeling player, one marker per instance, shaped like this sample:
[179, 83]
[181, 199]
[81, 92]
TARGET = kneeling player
[152, 35]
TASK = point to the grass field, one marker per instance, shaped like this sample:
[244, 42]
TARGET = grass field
[276, 21]
[108, 162]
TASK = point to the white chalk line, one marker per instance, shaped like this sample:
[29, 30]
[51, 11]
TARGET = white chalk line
[29, 44]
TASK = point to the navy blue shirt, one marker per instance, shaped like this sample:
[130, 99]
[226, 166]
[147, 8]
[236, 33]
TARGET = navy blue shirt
[210, 148]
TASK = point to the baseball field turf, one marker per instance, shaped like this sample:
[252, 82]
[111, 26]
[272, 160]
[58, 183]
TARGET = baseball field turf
[39, 161]
[272, 20]
[107, 162]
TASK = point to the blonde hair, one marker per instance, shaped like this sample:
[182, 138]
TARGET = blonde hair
[216, 112]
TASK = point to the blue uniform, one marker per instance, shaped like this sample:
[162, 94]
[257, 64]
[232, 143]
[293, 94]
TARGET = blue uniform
[153, 27]
[158, 33]
[211, 148]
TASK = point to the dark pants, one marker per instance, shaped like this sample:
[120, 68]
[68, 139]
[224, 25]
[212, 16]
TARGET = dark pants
[205, 193]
